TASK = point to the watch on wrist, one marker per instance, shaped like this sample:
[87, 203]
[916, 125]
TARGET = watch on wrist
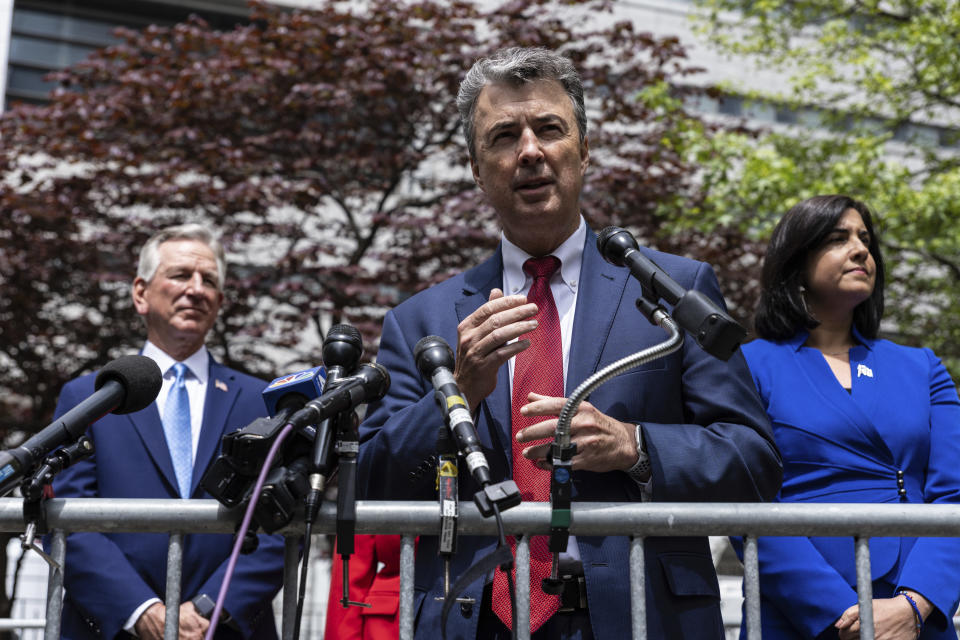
[640, 472]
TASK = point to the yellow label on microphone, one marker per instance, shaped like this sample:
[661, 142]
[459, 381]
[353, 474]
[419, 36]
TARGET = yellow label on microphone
[448, 469]
[455, 400]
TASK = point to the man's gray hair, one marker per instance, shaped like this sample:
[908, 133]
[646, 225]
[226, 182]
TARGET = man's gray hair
[516, 66]
[150, 254]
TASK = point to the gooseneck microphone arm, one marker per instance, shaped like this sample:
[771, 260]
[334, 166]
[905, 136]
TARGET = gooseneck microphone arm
[562, 450]
[714, 330]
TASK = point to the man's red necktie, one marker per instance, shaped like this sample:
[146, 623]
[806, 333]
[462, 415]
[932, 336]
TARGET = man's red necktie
[539, 369]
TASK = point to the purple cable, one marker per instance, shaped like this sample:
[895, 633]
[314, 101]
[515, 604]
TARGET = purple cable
[247, 517]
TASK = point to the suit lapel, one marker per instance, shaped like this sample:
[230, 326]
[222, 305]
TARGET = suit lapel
[600, 284]
[478, 282]
[819, 376]
[222, 392]
[150, 429]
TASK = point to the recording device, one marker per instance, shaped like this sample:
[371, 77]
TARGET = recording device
[128, 384]
[342, 349]
[233, 474]
[318, 403]
[435, 361]
[713, 329]
[370, 382]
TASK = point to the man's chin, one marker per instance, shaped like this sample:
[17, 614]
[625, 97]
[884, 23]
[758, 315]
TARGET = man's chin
[192, 328]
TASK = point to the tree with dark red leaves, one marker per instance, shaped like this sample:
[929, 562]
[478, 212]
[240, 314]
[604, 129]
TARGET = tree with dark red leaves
[326, 148]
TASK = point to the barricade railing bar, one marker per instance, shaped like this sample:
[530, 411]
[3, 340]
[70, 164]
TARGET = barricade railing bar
[413, 518]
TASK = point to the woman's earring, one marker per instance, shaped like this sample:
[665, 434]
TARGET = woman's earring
[803, 299]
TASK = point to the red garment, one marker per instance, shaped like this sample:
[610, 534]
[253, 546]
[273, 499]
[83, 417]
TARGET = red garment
[381, 589]
[537, 369]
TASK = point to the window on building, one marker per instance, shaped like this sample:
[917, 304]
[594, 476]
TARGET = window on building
[48, 35]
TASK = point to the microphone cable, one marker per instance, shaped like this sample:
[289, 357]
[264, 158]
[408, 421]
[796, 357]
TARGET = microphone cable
[244, 527]
[311, 508]
[313, 502]
[501, 557]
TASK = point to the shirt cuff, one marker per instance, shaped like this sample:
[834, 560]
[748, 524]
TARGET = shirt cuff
[132, 620]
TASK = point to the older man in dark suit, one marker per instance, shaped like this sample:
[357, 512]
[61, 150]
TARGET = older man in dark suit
[115, 582]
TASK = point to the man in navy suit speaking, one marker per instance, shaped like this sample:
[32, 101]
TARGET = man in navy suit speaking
[530, 324]
[115, 582]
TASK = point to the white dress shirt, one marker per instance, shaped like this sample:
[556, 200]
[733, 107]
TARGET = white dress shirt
[196, 383]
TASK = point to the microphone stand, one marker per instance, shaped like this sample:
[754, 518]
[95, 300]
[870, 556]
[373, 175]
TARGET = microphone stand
[35, 495]
[447, 493]
[562, 450]
[347, 447]
[321, 466]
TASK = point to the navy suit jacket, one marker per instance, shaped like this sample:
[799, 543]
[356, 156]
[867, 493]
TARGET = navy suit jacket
[704, 428]
[108, 575]
[902, 417]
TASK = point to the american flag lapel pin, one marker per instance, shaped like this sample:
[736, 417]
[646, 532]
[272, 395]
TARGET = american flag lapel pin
[220, 384]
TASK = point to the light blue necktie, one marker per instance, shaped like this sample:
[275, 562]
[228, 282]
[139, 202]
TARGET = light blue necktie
[176, 428]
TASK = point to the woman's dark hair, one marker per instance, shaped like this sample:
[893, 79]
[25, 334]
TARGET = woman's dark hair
[782, 312]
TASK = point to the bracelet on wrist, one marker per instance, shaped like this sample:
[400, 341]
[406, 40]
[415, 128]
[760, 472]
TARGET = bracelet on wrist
[916, 610]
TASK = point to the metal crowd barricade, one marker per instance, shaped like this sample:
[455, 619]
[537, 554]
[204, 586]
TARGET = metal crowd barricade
[410, 519]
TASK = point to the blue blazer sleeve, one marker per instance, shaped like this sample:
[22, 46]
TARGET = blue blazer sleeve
[932, 567]
[406, 420]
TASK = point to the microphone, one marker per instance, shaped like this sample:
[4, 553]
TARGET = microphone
[435, 361]
[290, 392]
[128, 384]
[713, 329]
[342, 349]
[369, 383]
[242, 452]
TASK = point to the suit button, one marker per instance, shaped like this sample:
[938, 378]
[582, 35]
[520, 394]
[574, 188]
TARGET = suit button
[466, 609]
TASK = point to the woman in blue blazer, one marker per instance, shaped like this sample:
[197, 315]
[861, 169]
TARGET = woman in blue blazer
[857, 419]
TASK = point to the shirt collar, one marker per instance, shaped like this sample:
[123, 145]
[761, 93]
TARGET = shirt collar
[198, 362]
[570, 253]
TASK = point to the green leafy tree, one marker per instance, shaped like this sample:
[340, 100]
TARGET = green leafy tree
[867, 72]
